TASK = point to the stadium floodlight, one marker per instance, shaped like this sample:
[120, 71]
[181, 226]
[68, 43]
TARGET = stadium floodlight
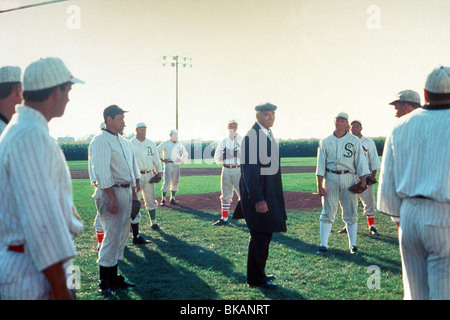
[174, 61]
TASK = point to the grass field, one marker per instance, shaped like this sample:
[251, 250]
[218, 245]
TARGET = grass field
[191, 260]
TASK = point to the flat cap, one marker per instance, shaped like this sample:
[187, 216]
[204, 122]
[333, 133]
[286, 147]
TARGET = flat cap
[266, 107]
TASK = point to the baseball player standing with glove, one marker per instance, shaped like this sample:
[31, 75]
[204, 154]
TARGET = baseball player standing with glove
[150, 167]
[172, 153]
[414, 190]
[37, 231]
[339, 156]
[227, 154]
[10, 93]
[112, 161]
[367, 197]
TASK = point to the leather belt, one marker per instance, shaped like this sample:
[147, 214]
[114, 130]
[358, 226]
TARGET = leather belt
[338, 172]
[124, 185]
[421, 197]
[144, 172]
[230, 167]
[18, 248]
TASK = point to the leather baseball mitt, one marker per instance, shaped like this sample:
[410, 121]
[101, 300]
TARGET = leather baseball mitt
[357, 188]
[370, 181]
[155, 179]
[136, 206]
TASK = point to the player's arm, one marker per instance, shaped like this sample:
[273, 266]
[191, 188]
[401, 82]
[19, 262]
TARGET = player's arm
[56, 276]
[320, 188]
[388, 201]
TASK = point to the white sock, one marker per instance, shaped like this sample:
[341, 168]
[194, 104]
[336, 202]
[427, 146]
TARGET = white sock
[352, 230]
[325, 229]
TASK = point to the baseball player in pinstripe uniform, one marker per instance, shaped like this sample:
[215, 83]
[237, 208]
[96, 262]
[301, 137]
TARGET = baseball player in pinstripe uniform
[149, 164]
[172, 153]
[414, 189]
[405, 102]
[10, 93]
[339, 156]
[367, 197]
[37, 231]
[114, 167]
[227, 154]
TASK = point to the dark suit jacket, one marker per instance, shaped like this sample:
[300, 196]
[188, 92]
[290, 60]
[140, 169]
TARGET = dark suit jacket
[261, 180]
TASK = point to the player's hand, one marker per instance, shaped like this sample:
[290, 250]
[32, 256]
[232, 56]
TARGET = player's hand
[261, 207]
[113, 205]
[322, 191]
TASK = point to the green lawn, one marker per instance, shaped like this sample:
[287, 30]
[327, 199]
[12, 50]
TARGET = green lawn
[305, 161]
[189, 259]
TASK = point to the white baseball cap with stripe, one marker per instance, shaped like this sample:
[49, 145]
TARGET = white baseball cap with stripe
[47, 73]
[10, 74]
[439, 80]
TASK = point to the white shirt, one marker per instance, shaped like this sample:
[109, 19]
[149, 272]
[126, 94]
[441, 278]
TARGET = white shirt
[175, 152]
[231, 145]
[112, 160]
[339, 154]
[370, 151]
[146, 155]
[416, 160]
[36, 204]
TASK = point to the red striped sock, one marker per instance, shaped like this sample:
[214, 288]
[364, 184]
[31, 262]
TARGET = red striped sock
[100, 235]
[371, 220]
[225, 210]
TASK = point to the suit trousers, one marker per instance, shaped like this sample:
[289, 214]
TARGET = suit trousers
[258, 252]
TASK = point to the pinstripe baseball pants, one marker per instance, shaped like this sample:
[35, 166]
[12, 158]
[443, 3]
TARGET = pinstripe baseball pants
[115, 226]
[424, 237]
[22, 281]
[337, 193]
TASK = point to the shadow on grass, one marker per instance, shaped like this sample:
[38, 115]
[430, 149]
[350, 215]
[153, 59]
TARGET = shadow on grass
[158, 279]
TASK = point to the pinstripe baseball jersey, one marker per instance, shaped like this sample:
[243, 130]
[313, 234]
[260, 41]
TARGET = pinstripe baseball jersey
[339, 154]
[112, 160]
[35, 195]
[232, 145]
[416, 160]
[172, 151]
[2, 126]
[371, 153]
[146, 155]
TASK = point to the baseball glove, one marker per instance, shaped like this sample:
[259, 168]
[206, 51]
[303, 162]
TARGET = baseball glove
[136, 206]
[370, 181]
[155, 179]
[357, 188]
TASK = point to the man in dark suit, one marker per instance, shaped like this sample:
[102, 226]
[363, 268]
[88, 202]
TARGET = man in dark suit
[261, 191]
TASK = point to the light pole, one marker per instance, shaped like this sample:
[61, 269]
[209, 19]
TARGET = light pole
[174, 61]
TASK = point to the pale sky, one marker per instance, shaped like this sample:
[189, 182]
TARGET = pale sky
[311, 58]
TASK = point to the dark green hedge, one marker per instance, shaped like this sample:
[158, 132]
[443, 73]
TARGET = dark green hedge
[205, 149]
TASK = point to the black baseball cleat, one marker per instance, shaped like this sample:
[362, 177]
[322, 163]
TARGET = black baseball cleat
[120, 283]
[172, 201]
[220, 222]
[322, 250]
[343, 230]
[373, 230]
[354, 250]
[163, 203]
[140, 240]
[155, 226]
[104, 288]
